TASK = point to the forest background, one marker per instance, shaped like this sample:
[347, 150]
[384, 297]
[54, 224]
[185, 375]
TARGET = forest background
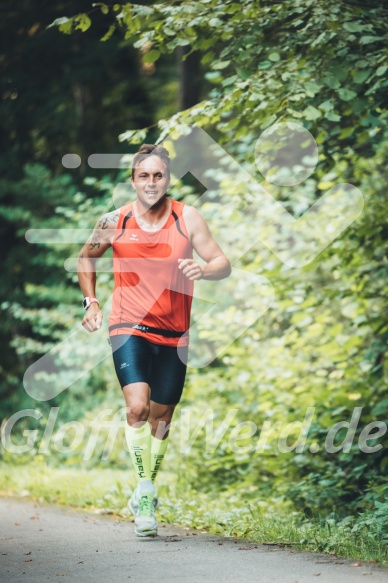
[116, 75]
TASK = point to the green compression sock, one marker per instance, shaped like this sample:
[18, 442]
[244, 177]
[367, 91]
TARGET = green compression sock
[139, 445]
[158, 450]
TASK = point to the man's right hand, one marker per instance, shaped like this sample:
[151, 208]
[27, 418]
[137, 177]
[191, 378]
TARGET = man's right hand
[93, 318]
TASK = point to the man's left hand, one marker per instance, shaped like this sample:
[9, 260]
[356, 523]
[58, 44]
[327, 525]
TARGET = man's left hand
[191, 269]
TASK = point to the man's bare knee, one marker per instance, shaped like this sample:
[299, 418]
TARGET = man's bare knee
[160, 419]
[137, 411]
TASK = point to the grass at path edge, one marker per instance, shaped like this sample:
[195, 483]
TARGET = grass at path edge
[107, 491]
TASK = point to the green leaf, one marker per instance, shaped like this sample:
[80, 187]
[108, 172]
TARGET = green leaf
[207, 58]
[293, 112]
[182, 42]
[64, 24]
[346, 94]
[326, 105]
[213, 76]
[275, 57]
[133, 136]
[330, 115]
[143, 10]
[312, 88]
[332, 82]
[151, 56]
[354, 27]
[109, 33]
[66, 27]
[268, 122]
[103, 7]
[229, 80]
[205, 44]
[220, 65]
[361, 76]
[214, 22]
[346, 132]
[242, 73]
[311, 113]
[381, 70]
[366, 40]
[265, 65]
[83, 22]
[59, 21]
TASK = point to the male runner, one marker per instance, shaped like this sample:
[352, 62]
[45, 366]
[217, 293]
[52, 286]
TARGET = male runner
[154, 270]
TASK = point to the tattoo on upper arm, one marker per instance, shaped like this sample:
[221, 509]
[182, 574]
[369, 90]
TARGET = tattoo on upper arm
[102, 223]
[108, 221]
[95, 238]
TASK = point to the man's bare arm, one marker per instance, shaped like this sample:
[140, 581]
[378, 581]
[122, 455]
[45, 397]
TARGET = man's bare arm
[97, 244]
[217, 264]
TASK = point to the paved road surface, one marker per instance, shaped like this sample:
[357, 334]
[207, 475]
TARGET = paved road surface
[40, 542]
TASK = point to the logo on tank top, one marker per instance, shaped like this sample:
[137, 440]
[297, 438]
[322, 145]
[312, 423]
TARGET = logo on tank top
[134, 237]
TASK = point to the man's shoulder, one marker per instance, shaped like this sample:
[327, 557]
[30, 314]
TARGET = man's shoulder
[109, 220]
[177, 205]
[194, 221]
[114, 216]
[191, 213]
[182, 209]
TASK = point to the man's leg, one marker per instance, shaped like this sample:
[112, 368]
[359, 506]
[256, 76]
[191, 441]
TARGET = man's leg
[137, 430]
[166, 381]
[160, 419]
[138, 436]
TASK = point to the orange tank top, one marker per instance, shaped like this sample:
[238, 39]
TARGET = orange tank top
[149, 289]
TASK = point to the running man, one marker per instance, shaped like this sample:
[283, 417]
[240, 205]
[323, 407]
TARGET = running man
[153, 240]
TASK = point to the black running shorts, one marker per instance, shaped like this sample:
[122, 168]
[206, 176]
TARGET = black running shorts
[136, 359]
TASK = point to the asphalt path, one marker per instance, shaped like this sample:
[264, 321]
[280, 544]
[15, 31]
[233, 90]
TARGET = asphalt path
[41, 542]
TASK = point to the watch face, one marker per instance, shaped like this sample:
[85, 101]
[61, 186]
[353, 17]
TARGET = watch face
[85, 303]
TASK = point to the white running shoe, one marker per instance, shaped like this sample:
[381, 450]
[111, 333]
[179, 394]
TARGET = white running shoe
[133, 503]
[145, 521]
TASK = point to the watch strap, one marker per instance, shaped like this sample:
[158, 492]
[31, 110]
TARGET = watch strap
[86, 302]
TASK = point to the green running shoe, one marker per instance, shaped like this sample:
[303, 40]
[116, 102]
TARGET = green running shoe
[133, 503]
[145, 521]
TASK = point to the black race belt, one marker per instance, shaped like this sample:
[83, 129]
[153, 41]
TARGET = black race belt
[142, 328]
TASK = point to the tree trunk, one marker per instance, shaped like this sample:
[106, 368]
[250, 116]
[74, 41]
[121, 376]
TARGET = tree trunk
[190, 78]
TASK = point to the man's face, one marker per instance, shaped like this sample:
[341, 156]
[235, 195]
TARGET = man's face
[151, 180]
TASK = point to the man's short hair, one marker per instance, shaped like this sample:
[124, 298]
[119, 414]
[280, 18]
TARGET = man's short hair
[147, 150]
